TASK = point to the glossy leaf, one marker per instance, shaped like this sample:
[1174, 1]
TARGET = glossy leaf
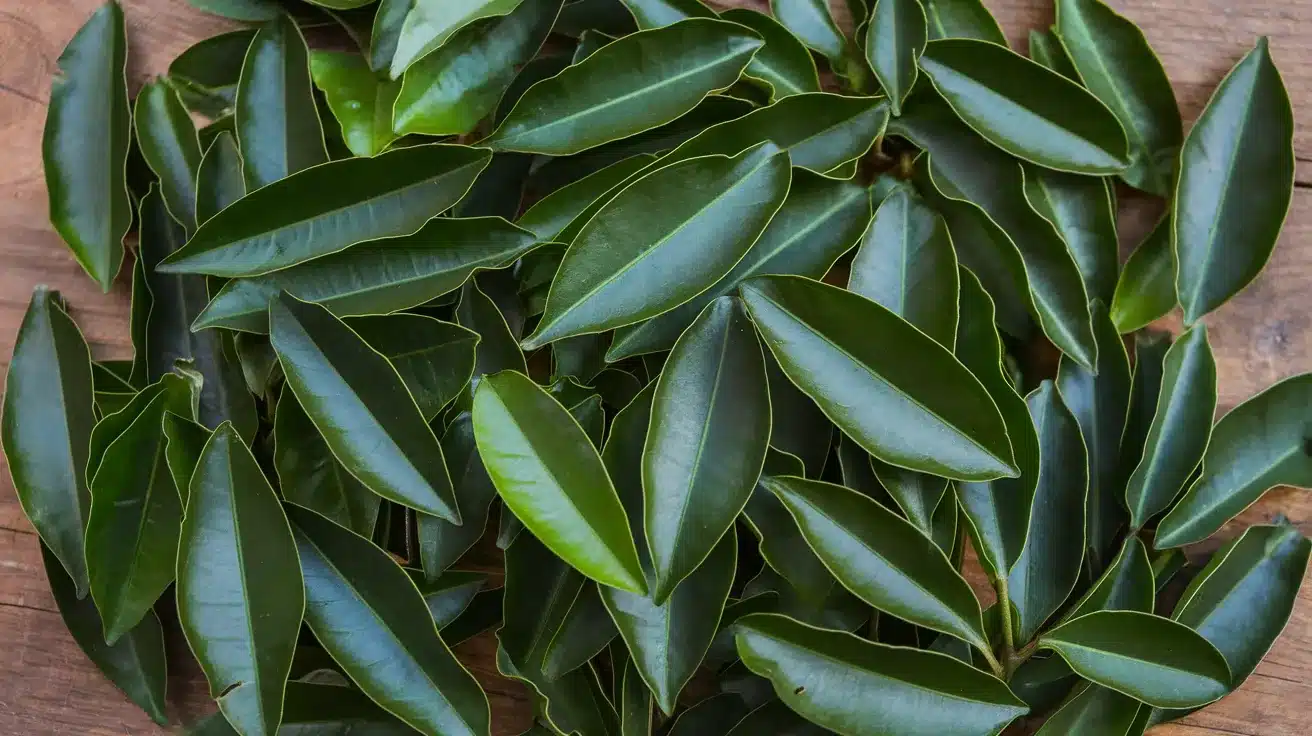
[435, 359]
[219, 180]
[441, 543]
[450, 90]
[278, 126]
[309, 475]
[657, 13]
[247, 10]
[431, 23]
[1126, 585]
[716, 714]
[1118, 66]
[849, 685]
[635, 703]
[634, 261]
[85, 149]
[184, 441]
[108, 429]
[237, 564]
[552, 478]
[1047, 49]
[375, 278]
[497, 348]
[1024, 108]
[783, 63]
[361, 407]
[1093, 710]
[1083, 209]
[585, 632]
[618, 92]
[1145, 291]
[1149, 658]
[169, 144]
[48, 417]
[1259, 444]
[916, 494]
[360, 101]
[549, 216]
[372, 619]
[962, 19]
[822, 337]
[327, 208]
[1227, 220]
[206, 74]
[812, 23]
[895, 38]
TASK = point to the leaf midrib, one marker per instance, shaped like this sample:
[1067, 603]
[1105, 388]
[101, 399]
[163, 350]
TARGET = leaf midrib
[1108, 654]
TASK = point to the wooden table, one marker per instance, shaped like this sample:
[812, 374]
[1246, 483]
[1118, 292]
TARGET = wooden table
[47, 686]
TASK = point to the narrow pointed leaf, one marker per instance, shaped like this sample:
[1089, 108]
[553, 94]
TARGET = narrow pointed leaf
[450, 594]
[108, 429]
[372, 619]
[716, 714]
[811, 22]
[441, 543]
[1047, 49]
[1145, 291]
[1093, 710]
[1126, 585]
[784, 63]
[962, 19]
[551, 214]
[327, 208]
[497, 349]
[1150, 347]
[775, 719]
[585, 632]
[85, 147]
[1149, 658]
[1226, 221]
[895, 38]
[798, 427]
[206, 74]
[361, 407]
[635, 703]
[435, 359]
[240, 595]
[617, 92]
[1083, 209]
[360, 101]
[170, 146]
[916, 494]
[853, 686]
[431, 23]
[184, 441]
[782, 544]
[311, 476]
[219, 180]
[821, 336]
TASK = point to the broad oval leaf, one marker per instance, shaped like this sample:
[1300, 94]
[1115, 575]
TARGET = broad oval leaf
[662, 241]
[1145, 291]
[441, 543]
[372, 619]
[783, 63]
[429, 24]
[551, 477]
[327, 208]
[1024, 108]
[1093, 710]
[85, 145]
[1259, 444]
[49, 412]
[435, 359]
[1150, 658]
[549, 216]
[619, 91]
[1118, 66]
[1126, 585]
[1181, 427]
[881, 557]
[359, 100]
[1083, 209]
[962, 19]
[278, 126]
[850, 685]
[357, 400]
[219, 180]
[237, 565]
[1226, 221]
[812, 23]
[895, 38]
[375, 278]
[169, 144]
[900, 395]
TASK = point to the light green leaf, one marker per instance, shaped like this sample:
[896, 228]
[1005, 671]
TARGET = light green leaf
[430, 23]
[895, 38]
[1145, 291]
[360, 101]
[219, 180]
[441, 543]
[171, 148]
[783, 63]
[962, 19]
[1083, 209]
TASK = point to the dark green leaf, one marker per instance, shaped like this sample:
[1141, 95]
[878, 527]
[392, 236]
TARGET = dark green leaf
[429, 24]
[1043, 680]
[333, 709]
[482, 613]
[585, 632]
[895, 38]
[962, 19]
[549, 216]
[181, 401]
[590, 42]
[1083, 209]
[1093, 710]
[434, 358]
[811, 21]
[1126, 585]
[716, 714]
[247, 10]
[1145, 291]
[219, 180]
[441, 543]
[360, 101]
[723, 651]
[797, 426]
[635, 703]
[775, 719]
[206, 74]
[498, 348]
[783, 63]
[184, 441]
[1047, 49]
[656, 13]
[169, 144]
[450, 594]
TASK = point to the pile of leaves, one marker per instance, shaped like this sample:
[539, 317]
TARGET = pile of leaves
[732, 367]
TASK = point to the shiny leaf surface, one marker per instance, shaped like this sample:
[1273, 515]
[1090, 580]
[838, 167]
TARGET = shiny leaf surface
[783, 63]
[360, 101]
[1083, 209]
[309, 475]
[429, 24]
[811, 21]
[435, 359]
[962, 19]
[585, 632]
[441, 543]
[219, 180]
[169, 144]
[895, 38]
[1145, 291]
[1093, 710]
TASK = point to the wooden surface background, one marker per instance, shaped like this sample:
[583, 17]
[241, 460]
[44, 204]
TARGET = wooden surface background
[47, 686]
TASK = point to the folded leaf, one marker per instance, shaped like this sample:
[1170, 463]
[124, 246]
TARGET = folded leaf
[1024, 108]
[895, 39]
[822, 337]
[619, 91]
[783, 63]
[435, 359]
[1126, 585]
[327, 208]
[1227, 220]
[430, 23]
[585, 632]
[360, 101]
[361, 407]
[49, 413]
[811, 22]
[237, 564]
[219, 180]
[962, 19]
[1083, 209]
[309, 475]
[85, 149]
[849, 685]
[1093, 710]
[1259, 444]
[662, 241]
[1145, 291]
[375, 624]
[441, 543]
[169, 144]
[1147, 657]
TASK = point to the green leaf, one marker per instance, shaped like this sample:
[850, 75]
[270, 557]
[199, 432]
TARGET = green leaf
[360, 101]
[85, 150]
[315, 708]
[327, 208]
[590, 42]
[219, 181]
[916, 494]
[1145, 291]
[881, 557]
[247, 10]
[1083, 209]
[1118, 66]
[962, 19]
[820, 219]
[184, 440]
[580, 358]
[1181, 427]
[482, 613]
[895, 38]
[182, 398]
[1149, 658]
[206, 74]
[431, 23]
[783, 63]
[716, 714]
[1126, 585]
[775, 719]
[617, 92]
[450, 594]
[585, 632]
[169, 144]
[311, 476]
[1048, 568]
[376, 278]
[843, 683]
[856, 469]
[48, 417]
[945, 423]
[1024, 108]
[635, 703]
[237, 566]
[723, 651]
[552, 478]
[385, 33]
[712, 403]
[797, 425]
[1259, 444]
[357, 400]
[135, 663]
[1226, 220]
[1100, 401]
[812, 23]
[497, 349]
[278, 125]
[373, 621]
[441, 543]
[1150, 348]
[452, 89]
[434, 358]
[666, 255]
[657, 13]
[907, 264]
[549, 216]
[1047, 49]
[1093, 710]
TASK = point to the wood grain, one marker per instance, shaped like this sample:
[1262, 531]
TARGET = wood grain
[47, 686]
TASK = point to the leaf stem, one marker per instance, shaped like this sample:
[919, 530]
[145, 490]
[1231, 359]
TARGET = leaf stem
[1008, 633]
[994, 664]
